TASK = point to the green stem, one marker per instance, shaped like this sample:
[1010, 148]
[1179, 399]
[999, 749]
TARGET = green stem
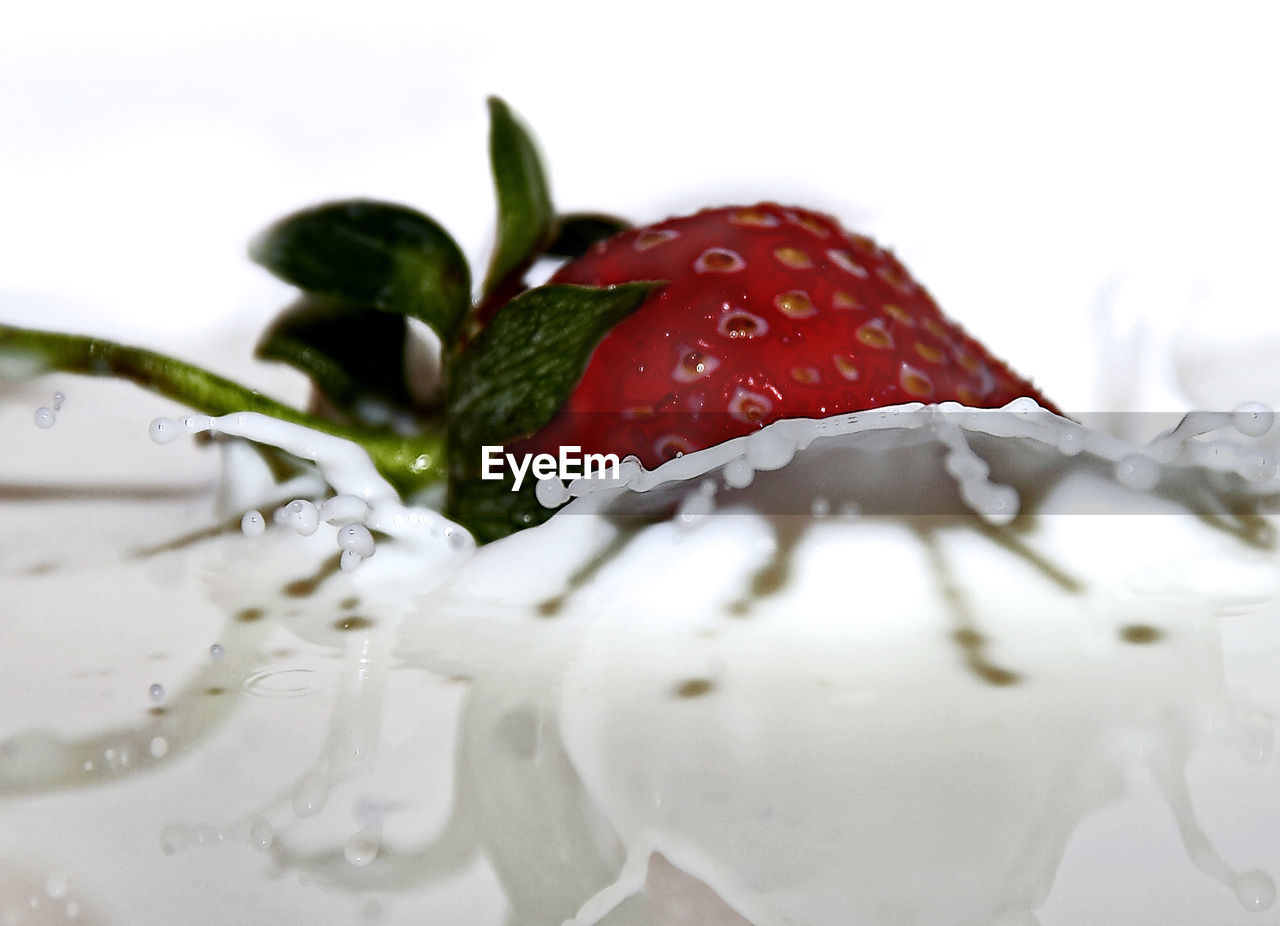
[410, 463]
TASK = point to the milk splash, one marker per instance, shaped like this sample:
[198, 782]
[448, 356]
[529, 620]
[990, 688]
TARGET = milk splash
[721, 690]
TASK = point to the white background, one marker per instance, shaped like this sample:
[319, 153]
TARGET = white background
[1091, 189]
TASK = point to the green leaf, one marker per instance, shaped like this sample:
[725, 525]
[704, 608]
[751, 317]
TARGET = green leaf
[375, 254]
[578, 231]
[512, 380]
[525, 215]
[521, 369]
[411, 464]
[354, 356]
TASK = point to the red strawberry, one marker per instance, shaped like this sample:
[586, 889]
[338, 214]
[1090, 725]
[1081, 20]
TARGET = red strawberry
[768, 313]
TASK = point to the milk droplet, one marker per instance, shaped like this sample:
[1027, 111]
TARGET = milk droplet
[769, 449]
[350, 560]
[362, 846]
[301, 515]
[1069, 442]
[158, 747]
[45, 418]
[995, 504]
[629, 470]
[551, 493]
[738, 474]
[58, 399]
[1023, 406]
[1253, 419]
[253, 524]
[697, 504]
[156, 692]
[163, 430]
[344, 509]
[1137, 472]
[356, 538]
[216, 651]
[1255, 890]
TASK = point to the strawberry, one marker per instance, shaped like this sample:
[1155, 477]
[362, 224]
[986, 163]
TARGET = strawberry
[767, 312]
[650, 342]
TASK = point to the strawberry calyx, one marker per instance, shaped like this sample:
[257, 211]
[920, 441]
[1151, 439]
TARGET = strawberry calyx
[516, 363]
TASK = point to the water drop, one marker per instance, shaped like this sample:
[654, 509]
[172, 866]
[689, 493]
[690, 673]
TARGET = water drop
[44, 417]
[362, 846]
[261, 835]
[156, 692]
[158, 747]
[1138, 473]
[356, 538]
[1253, 419]
[216, 651]
[164, 430]
[253, 524]
[350, 560]
[1255, 890]
[58, 399]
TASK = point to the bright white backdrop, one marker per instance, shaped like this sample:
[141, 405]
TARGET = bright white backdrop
[1090, 188]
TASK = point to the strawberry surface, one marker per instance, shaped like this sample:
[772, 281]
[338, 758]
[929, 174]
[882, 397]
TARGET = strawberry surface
[767, 312]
